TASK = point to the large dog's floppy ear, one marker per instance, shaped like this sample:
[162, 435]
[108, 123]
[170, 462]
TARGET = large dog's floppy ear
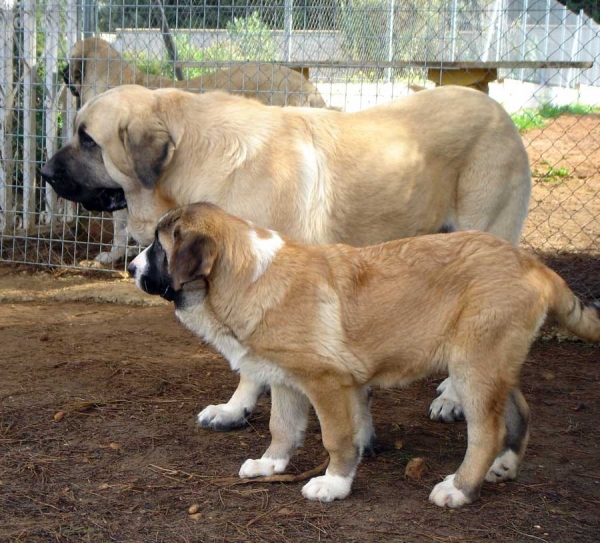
[150, 146]
[193, 258]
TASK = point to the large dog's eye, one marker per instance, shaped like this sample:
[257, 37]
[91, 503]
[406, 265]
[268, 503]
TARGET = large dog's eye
[87, 142]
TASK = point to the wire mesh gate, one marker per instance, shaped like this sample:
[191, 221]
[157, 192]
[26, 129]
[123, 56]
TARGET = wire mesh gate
[533, 56]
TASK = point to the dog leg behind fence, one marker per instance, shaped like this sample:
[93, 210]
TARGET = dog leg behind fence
[119, 243]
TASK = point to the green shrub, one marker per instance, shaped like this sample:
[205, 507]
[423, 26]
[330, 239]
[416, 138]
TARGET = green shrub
[253, 38]
[248, 39]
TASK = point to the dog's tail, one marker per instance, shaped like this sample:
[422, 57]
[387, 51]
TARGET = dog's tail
[580, 319]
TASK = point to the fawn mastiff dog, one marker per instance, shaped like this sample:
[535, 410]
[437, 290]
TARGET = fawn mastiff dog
[319, 324]
[440, 160]
[96, 66]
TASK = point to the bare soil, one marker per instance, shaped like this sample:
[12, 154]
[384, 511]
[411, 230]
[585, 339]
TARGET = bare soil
[564, 211]
[98, 443]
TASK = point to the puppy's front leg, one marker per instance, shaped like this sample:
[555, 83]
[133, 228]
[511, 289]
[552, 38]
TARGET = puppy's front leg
[289, 416]
[336, 407]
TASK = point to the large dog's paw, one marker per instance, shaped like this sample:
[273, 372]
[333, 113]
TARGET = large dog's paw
[222, 417]
[262, 467]
[446, 407]
[327, 488]
[445, 494]
[504, 468]
[108, 258]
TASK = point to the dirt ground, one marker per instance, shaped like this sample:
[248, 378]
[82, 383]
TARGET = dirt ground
[565, 205]
[98, 442]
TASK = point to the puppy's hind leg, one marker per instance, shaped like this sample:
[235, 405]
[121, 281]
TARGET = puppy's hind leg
[516, 418]
[484, 410]
[289, 416]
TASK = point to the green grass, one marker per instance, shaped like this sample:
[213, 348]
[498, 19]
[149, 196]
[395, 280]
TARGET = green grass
[552, 174]
[537, 118]
[555, 175]
[528, 119]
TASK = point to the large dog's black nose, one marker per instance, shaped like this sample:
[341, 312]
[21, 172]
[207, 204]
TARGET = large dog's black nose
[48, 172]
[131, 269]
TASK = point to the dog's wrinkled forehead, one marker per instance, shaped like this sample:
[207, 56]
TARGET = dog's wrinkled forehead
[112, 103]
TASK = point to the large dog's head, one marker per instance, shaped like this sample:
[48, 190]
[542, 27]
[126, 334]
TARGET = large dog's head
[121, 144]
[184, 250]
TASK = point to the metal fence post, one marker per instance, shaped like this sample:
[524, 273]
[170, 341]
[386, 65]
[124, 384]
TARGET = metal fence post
[51, 99]
[90, 17]
[28, 10]
[390, 40]
[6, 114]
[288, 23]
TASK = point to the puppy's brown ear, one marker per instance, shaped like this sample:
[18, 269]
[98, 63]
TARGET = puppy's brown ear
[193, 258]
[150, 146]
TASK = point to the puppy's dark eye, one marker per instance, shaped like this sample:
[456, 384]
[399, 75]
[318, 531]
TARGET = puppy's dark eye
[87, 142]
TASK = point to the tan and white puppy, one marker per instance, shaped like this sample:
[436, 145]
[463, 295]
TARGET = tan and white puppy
[440, 160]
[319, 324]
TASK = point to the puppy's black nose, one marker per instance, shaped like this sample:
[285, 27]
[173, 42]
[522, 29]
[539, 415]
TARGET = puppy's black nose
[131, 269]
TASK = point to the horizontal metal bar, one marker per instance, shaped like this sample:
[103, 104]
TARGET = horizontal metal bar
[450, 65]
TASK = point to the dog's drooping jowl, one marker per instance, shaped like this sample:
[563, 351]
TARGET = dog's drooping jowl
[321, 324]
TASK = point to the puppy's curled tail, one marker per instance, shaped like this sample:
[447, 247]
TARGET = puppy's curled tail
[580, 319]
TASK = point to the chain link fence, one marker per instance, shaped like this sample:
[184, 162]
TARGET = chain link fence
[536, 57]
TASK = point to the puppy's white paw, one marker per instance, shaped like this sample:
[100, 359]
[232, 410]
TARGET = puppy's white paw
[504, 468]
[327, 488]
[446, 407]
[445, 494]
[222, 417]
[262, 467]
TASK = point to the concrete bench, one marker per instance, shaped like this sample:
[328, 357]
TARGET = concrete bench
[475, 74]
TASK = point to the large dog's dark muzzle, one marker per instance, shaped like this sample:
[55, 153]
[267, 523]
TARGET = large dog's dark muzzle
[93, 199]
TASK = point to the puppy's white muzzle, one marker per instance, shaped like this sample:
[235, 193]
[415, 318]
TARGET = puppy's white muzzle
[137, 267]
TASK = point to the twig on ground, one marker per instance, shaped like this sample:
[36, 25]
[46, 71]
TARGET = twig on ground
[279, 478]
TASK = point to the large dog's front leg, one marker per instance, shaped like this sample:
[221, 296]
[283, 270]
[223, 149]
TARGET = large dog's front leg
[289, 416]
[119, 243]
[231, 415]
[336, 407]
[446, 407]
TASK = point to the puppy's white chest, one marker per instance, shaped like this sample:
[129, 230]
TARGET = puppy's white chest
[202, 322]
